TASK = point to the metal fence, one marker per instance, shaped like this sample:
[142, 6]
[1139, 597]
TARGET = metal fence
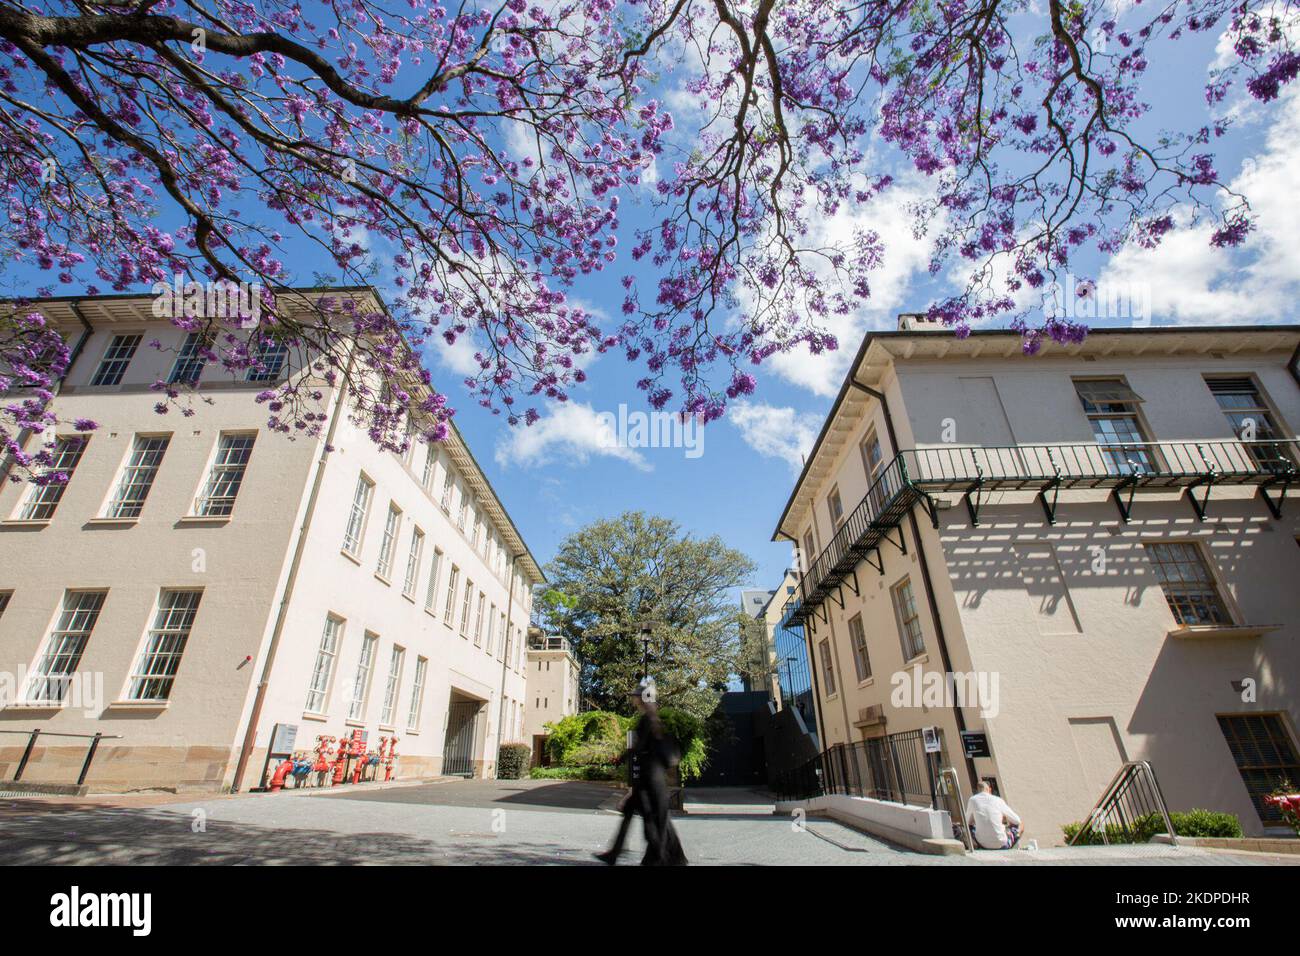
[894, 768]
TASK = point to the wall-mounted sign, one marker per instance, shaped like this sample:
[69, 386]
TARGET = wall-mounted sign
[930, 736]
[283, 737]
[975, 743]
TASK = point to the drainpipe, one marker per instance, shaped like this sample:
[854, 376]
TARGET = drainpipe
[250, 732]
[505, 660]
[925, 577]
[812, 663]
[26, 433]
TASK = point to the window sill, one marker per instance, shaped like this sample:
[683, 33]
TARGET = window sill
[409, 597]
[350, 556]
[412, 733]
[351, 722]
[25, 522]
[112, 522]
[204, 520]
[383, 580]
[1223, 630]
[867, 682]
[922, 658]
[143, 705]
[308, 715]
[387, 729]
[36, 706]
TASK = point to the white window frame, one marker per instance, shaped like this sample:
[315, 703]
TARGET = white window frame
[159, 660]
[414, 555]
[431, 592]
[116, 359]
[449, 610]
[138, 473]
[327, 656]
[392, 686]
[466, 607]
[355, 530]
[413, 714]
[225, 474]
[42, 501]
[64, 645]
[478, 619]
[362, 677]
[388, 544]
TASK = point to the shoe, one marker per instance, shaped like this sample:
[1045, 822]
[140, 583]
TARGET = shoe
[608, 857]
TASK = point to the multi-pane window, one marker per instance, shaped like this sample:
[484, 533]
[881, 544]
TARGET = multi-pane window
[466, 603]
[858, 638]
[1112, 410]
[873, 460]
[1252, 420]
[449, 606]
[156, 670]
[430, 461]
[393, 686]
[268, 358]
[417, 695]
[507, 645]
[809, 551]
[138, 476]
[43, 499]
[323, 673]
[462, 514]
[118, 356]
[501, 650]
[491, 626]
[4, 601]
[447, 482]
[361, 679]
[389, 543]
[909, 622]
[228, 468]
[431, 593]
[413, 562]
[835, 507]
[478, 620]
[51, 676]
[357, 516]
[1188, 583]
[828, 666]
[191, 359]
[1265, 757]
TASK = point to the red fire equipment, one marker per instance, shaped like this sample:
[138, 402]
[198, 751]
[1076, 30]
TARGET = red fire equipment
[281, 771]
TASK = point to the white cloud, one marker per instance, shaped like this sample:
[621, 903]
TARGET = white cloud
[571, 431]
[777, 432]
[1192, 281]
[905, 257]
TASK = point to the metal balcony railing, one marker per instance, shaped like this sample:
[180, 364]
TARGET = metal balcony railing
[915, 474]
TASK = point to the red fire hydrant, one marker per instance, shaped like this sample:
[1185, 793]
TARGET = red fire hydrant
[283, 770]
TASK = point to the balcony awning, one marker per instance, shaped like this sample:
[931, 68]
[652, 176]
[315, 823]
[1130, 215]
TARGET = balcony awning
[1108, 391]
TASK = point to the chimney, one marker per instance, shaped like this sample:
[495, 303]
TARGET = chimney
[918, 322]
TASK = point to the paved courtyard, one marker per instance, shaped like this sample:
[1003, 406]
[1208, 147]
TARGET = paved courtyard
[468, 822]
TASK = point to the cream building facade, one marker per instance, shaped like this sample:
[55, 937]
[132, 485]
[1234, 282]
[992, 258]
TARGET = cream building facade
[217, 579]
[1103, 538]
[553, 691]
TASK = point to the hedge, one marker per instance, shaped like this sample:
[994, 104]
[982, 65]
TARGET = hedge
[513, 760]
[1193, 823]
[597, 738]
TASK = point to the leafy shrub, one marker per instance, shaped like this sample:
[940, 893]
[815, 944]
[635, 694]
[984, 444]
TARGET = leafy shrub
[597, 738]
[593, 772]
[1205, 823]
[513, 760]
[1193, 823]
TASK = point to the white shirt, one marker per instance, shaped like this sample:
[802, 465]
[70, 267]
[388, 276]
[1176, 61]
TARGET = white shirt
[988, 813]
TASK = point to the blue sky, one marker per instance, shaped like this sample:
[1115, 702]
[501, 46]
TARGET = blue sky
[557, 475]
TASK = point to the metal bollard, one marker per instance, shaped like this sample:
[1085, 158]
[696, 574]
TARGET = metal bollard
[90, 755]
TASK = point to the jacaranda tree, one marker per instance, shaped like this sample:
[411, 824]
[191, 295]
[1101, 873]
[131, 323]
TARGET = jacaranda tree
[473, 155]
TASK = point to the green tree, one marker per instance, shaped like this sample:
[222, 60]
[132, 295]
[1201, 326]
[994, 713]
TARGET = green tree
[622, 574]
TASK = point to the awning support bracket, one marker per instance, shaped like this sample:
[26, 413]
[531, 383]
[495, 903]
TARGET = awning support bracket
[975, 497]
[1275, 506]
[1126, 506]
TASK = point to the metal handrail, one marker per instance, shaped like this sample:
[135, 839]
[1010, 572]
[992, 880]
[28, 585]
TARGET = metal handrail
[950, 773]
[31, 745]
[913, 473]
[1133, 788]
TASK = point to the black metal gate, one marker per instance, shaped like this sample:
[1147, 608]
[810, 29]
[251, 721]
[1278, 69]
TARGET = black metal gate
[458, 749]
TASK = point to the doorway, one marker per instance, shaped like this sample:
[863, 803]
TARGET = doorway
[462, 726]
